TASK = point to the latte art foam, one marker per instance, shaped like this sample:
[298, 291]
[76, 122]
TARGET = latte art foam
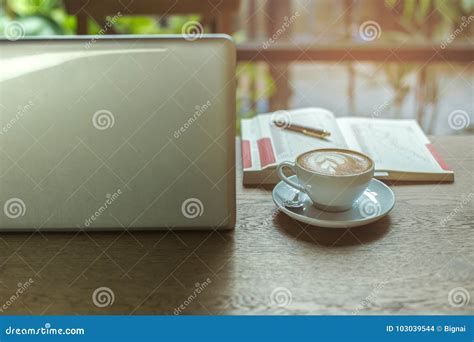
[337, 163]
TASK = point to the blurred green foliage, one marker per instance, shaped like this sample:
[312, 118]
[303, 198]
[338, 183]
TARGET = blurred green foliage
[422, 18]
[38, 17]
[418, 20]
[149, 25]
[48, 17]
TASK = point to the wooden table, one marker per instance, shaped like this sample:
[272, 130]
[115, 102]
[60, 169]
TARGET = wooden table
[407, 263]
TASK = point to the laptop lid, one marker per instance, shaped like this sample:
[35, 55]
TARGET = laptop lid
[118, 132]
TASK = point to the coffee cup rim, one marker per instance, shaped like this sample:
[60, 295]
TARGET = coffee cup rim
[369, 170]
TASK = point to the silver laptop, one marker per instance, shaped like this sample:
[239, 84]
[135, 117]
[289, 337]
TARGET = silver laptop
[117, 133]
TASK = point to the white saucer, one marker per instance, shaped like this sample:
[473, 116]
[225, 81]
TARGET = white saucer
[375, 203]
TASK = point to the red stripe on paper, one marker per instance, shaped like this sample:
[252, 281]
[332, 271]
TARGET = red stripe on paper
[246, 156]
[438, 157]
[265, 150]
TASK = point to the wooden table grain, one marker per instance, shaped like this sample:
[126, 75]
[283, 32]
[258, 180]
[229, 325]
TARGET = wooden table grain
[418, 260]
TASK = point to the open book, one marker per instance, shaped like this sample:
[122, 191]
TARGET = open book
[399, 148]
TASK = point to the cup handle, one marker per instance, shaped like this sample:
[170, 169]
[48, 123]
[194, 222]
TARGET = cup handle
[282, 176]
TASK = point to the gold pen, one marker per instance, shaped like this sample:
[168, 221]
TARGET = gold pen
[313, 132]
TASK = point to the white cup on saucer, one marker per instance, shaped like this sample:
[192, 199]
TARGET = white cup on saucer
[332, 178]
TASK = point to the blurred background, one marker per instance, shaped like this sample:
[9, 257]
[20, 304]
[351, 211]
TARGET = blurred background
[371, 58]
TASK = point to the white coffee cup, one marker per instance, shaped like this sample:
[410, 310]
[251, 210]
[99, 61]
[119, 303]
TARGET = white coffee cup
[329, 192]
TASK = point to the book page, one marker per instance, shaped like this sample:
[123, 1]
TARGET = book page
[288, 144]
[267, 144]
[394, 145]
